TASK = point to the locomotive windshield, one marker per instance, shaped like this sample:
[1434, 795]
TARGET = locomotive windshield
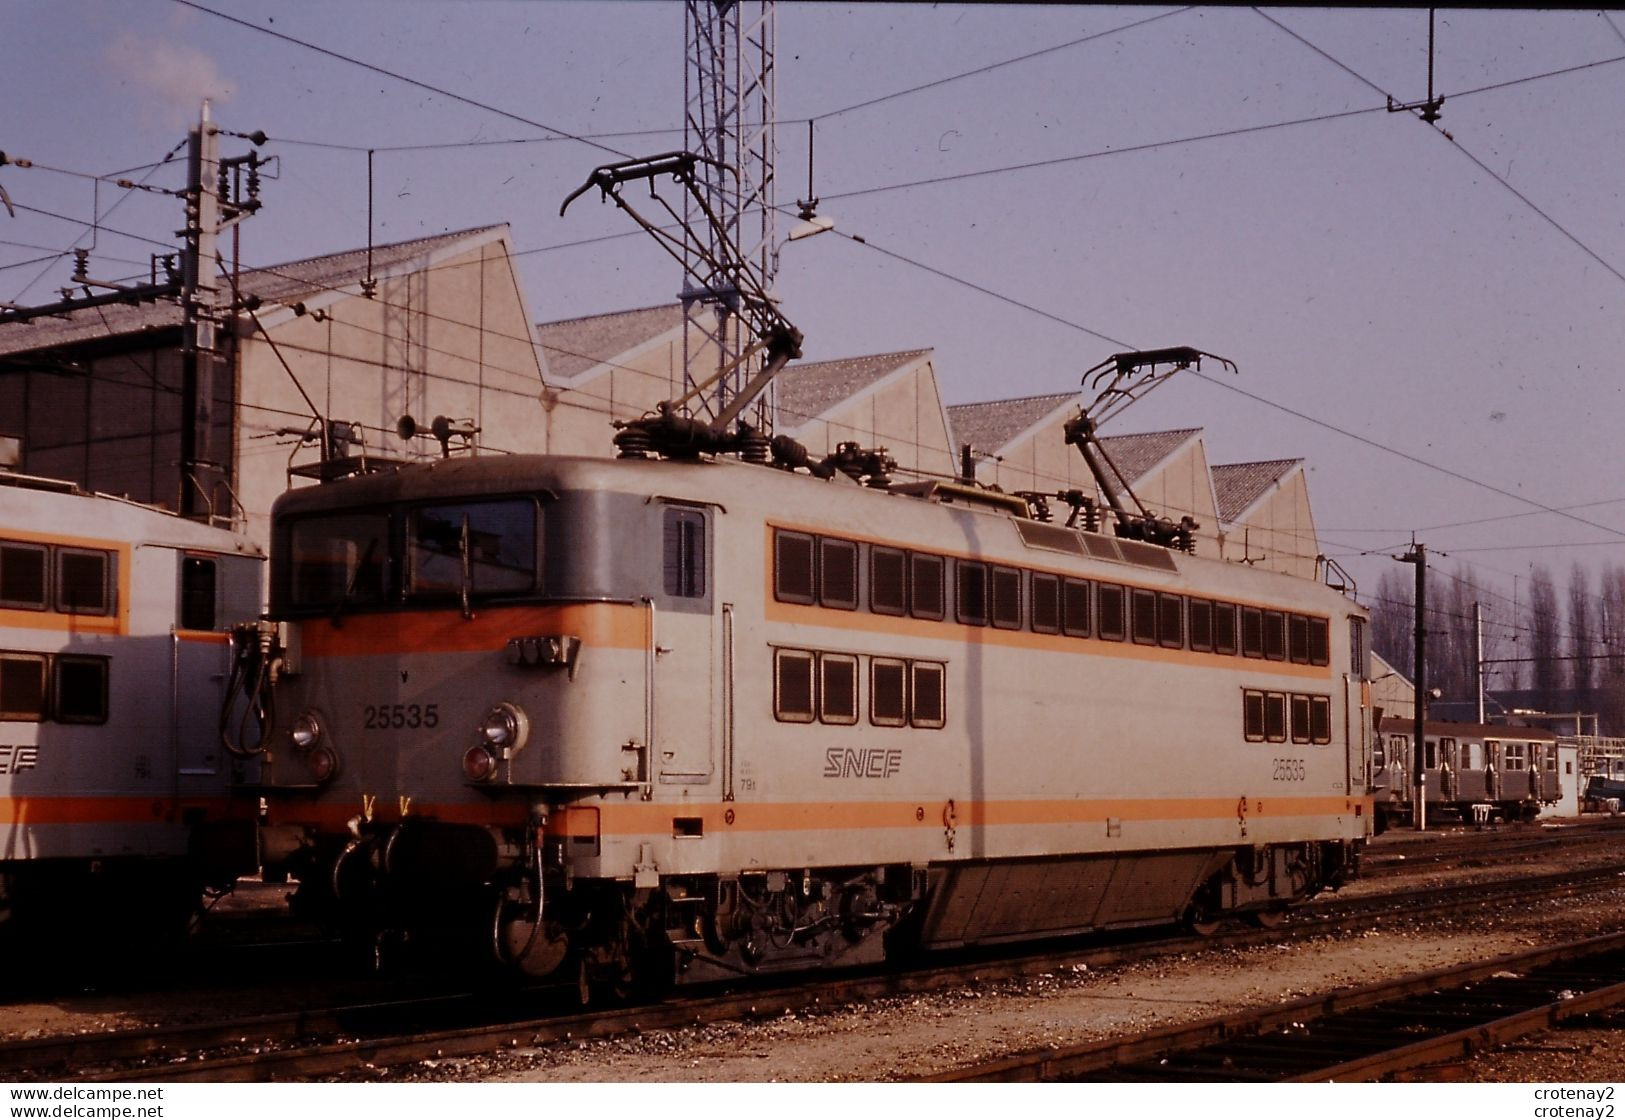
[339, 559]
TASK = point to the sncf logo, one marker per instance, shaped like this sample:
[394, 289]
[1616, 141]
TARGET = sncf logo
[16, 759]
[861, 763]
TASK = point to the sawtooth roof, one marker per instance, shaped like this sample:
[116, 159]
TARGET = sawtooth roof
[989, 426]
[807, 390]
[574, 346]
[1237, 486]
[1136, 455]
[284, 283]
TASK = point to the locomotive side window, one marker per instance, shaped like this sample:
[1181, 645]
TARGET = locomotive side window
[925, 586]
[793, 686]
[1359, 654]
[1300, 718]
[22, 687]
[1320, 719]
[80, 687]
[1171, 621]
[970, 577]
[683, 554]
[1111, 621]
[1075, 608]
[1143, 613]
[888, 582]
[1297, 639]
[927, 691]
[1275, 635]
[1006, 586]
[22, 576]
[1201, 625]
[888, 692]
[83, 585]
[1046, 604]
[1320, 641]
[197, 593]
[792, 567]
[837, 688]
[1252, 716]
[339, 559]
[838, 574]
[1275, 717]
[1224, 628]
[1252, 632]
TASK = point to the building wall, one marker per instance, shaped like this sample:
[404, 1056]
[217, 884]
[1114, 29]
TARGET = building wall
[580, 414]
[904, 415]
[1043, 461]
[1182, 486]
[1278, 532]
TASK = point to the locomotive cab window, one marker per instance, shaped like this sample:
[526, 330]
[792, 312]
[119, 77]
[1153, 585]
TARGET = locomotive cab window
[487, 548]
[338, 560]
[83, 581]
[792, 567]
[22, 687]
[888, 581]
[22, 576]
[198, 583]
[683, 553]
[838, 574]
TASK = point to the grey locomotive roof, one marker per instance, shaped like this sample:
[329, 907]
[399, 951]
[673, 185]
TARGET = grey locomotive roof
[989, 426]
[807, 390]
[1238, 486]
[574, 346]
[280, 283]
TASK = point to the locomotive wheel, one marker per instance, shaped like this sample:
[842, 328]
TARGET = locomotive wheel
[1204, 927]
[1266, 919]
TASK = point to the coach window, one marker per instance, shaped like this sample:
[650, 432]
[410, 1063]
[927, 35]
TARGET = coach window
[1300, 718]
[22, 687]
[1224, 628]
[1046, 604]
[1320, 641]
[1201, 625]
[1515, 756]
[22, 576]
[1320, 719]
[925, 586]
[1111, 623]
[888, 692]
[197, 593]
[837, 688]
[1430, 754]
[793, 685]
[80, 684]
[1143, 614]
[1006, 585]
[1275, 635]
[927, 693]
[838, 574]
[83, 585]
[1447, 753]
[1297, 639]
[1275, 717]
[792, 567]
[970, 578]
[1075, 607]
[683, 554]
[1171, 621]
[888, 581]
[1252, 632]
[1252, 715]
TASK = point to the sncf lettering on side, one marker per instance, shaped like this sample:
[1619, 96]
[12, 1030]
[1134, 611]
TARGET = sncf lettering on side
[862, 762]
[16, 759]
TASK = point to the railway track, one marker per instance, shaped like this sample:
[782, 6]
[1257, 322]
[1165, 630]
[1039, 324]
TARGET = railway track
[1381, 1030]
[332, 1041]
[1401, 854]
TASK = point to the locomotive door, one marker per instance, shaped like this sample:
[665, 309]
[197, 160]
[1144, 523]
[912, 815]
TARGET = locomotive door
[685, 632]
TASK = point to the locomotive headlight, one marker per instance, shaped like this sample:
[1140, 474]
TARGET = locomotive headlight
[505, 727]
[323, 764]
[479, 764]
[306, 731]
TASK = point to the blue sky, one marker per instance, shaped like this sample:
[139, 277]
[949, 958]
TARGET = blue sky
[1430, 316]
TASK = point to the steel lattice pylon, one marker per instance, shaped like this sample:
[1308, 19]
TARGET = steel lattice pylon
[729, 103]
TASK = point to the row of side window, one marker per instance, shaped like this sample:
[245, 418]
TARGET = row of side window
[824, 571]
[819, 686]
[40, 577]
[1274, 717]
[60, 688]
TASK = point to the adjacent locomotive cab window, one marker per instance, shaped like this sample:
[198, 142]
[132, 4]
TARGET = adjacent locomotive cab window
[838, 574]
[970, 577]
[483, 547]
[22, 687]
[22, 576]
[793, 685]
[198, 581]
[888, 692]
[1171, 621]
[1320, 641]
[792, 567]
[1143, 610]
[1252, 632]
[1275, 635]
[1075, 607]
[1045, 611]
[1224, 628]
[925, 586]
[1006, 586]
[888, 581]
[683, 554]
[1275, 717]
[837, 688]
[80, 685]
[83, 581]
[926, 691]
[1111, 625]
[1201, 625]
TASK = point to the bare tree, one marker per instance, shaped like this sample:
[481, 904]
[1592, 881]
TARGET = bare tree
[1582, 614]
[1393, 620]
[1543, 638]
[1610, 676]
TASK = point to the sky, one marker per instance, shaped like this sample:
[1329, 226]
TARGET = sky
[1430, 315]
